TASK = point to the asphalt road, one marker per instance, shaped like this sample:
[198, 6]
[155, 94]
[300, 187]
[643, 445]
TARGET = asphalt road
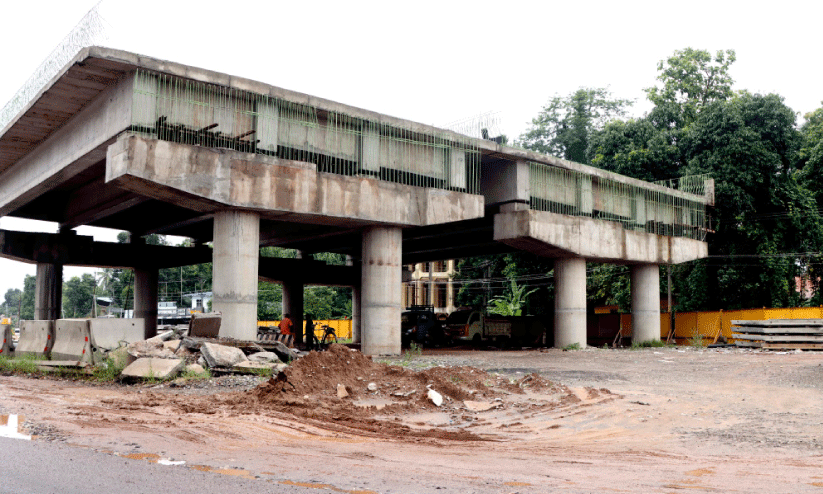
[39, 467]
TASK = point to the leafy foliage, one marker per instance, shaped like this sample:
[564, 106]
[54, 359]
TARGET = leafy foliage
[511, 303]
[565, 124]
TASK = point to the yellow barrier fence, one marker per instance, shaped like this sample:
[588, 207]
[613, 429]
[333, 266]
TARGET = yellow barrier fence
[342, 327]
[706, 325]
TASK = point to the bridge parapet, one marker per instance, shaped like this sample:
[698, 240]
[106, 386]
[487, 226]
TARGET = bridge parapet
[185, 111]
[672, 208]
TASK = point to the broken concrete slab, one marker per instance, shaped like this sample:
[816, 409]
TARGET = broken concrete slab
[249, 367]
[171, 345]
[151, 348]
[205, 325]
[154, 368]
[54, 364]
[285, 353]
[221, 355]
[195, 369]
[264, 357]
[121, 357]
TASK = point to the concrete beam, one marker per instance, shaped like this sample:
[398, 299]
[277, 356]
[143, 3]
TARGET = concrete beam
[645, 302]
[570, 302]
[234, 284]
[380, 303]
[208, 179]
[77, 145]
[79, 250]
[557, 235]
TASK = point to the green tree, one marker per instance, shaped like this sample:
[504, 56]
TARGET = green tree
[764, 214]
[29, 285]
[510, 303]
[563, 127]
[690, 80]
[78, 296]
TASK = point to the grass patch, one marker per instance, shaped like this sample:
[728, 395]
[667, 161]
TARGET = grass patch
[696, 340]
[109, 370]
[190, 375]
[25, 364]
[571, 347]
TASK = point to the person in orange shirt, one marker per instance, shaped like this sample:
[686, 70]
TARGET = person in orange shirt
[286, 324]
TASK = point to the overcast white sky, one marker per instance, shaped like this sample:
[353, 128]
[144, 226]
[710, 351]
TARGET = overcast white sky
[435, 61]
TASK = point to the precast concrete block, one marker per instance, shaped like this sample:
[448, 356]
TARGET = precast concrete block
[154, 368]
[108, 334]
[205, 325]
[36, 338]
[72, 340]
[5, 347]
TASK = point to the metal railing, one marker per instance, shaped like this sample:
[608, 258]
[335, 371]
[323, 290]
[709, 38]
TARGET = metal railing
[649, 209]
[180, 110]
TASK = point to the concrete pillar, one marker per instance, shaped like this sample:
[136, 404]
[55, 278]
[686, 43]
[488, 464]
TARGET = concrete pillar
[293, 304]
[645, 303]
[570, 302]
[380, 291]
[145, 299]
[48, 294]
[234, 283]
[355, 315]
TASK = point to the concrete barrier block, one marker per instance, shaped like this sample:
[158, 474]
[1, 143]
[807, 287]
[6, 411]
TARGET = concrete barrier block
[5, 333]
[205, 325]
[154, 368]
[109, 334]
[36, 338]
[72, 340]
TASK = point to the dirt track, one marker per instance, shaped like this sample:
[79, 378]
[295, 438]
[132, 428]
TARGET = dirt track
[655, 420]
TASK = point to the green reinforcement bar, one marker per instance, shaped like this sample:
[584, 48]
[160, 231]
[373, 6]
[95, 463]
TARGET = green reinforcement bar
[674, 212]
[189, 112]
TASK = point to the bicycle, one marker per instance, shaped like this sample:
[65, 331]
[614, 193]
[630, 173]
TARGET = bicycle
[329, 336]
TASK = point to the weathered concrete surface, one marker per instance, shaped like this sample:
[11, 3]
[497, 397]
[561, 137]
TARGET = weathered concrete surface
[234, 279]
[570, 302]
[205, 325]
[645, 303]
[380, 291]
[249, 367]
[48, 293]
[154, 368]
[149, 349]
[222, 356]
[505, 182]
[109, 334]
[72, 340]
[36, 338]
[264, 357]
[145, 298]
[558, 235]
[205, 179]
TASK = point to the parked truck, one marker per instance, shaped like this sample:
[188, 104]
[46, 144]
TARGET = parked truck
[472, 325]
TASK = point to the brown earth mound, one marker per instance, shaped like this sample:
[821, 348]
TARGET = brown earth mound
[379, 399]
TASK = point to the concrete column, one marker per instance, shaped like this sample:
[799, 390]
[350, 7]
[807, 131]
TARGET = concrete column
[293, 304]
[380, 291]
[48, 294]
[570, 302]
[234, 283]
[645, 303]
[145, 299]
[355, 315]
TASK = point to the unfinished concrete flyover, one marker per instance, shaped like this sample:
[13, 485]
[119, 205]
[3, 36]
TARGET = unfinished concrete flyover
[123, 141]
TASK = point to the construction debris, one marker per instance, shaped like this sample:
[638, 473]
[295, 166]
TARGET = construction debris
[221, 355]
[779, 334]
[154, 368]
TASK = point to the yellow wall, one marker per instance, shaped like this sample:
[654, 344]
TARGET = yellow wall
[707, 324]
[342, 327]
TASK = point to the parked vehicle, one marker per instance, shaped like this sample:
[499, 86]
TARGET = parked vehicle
[472, 325]
[419, 324]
